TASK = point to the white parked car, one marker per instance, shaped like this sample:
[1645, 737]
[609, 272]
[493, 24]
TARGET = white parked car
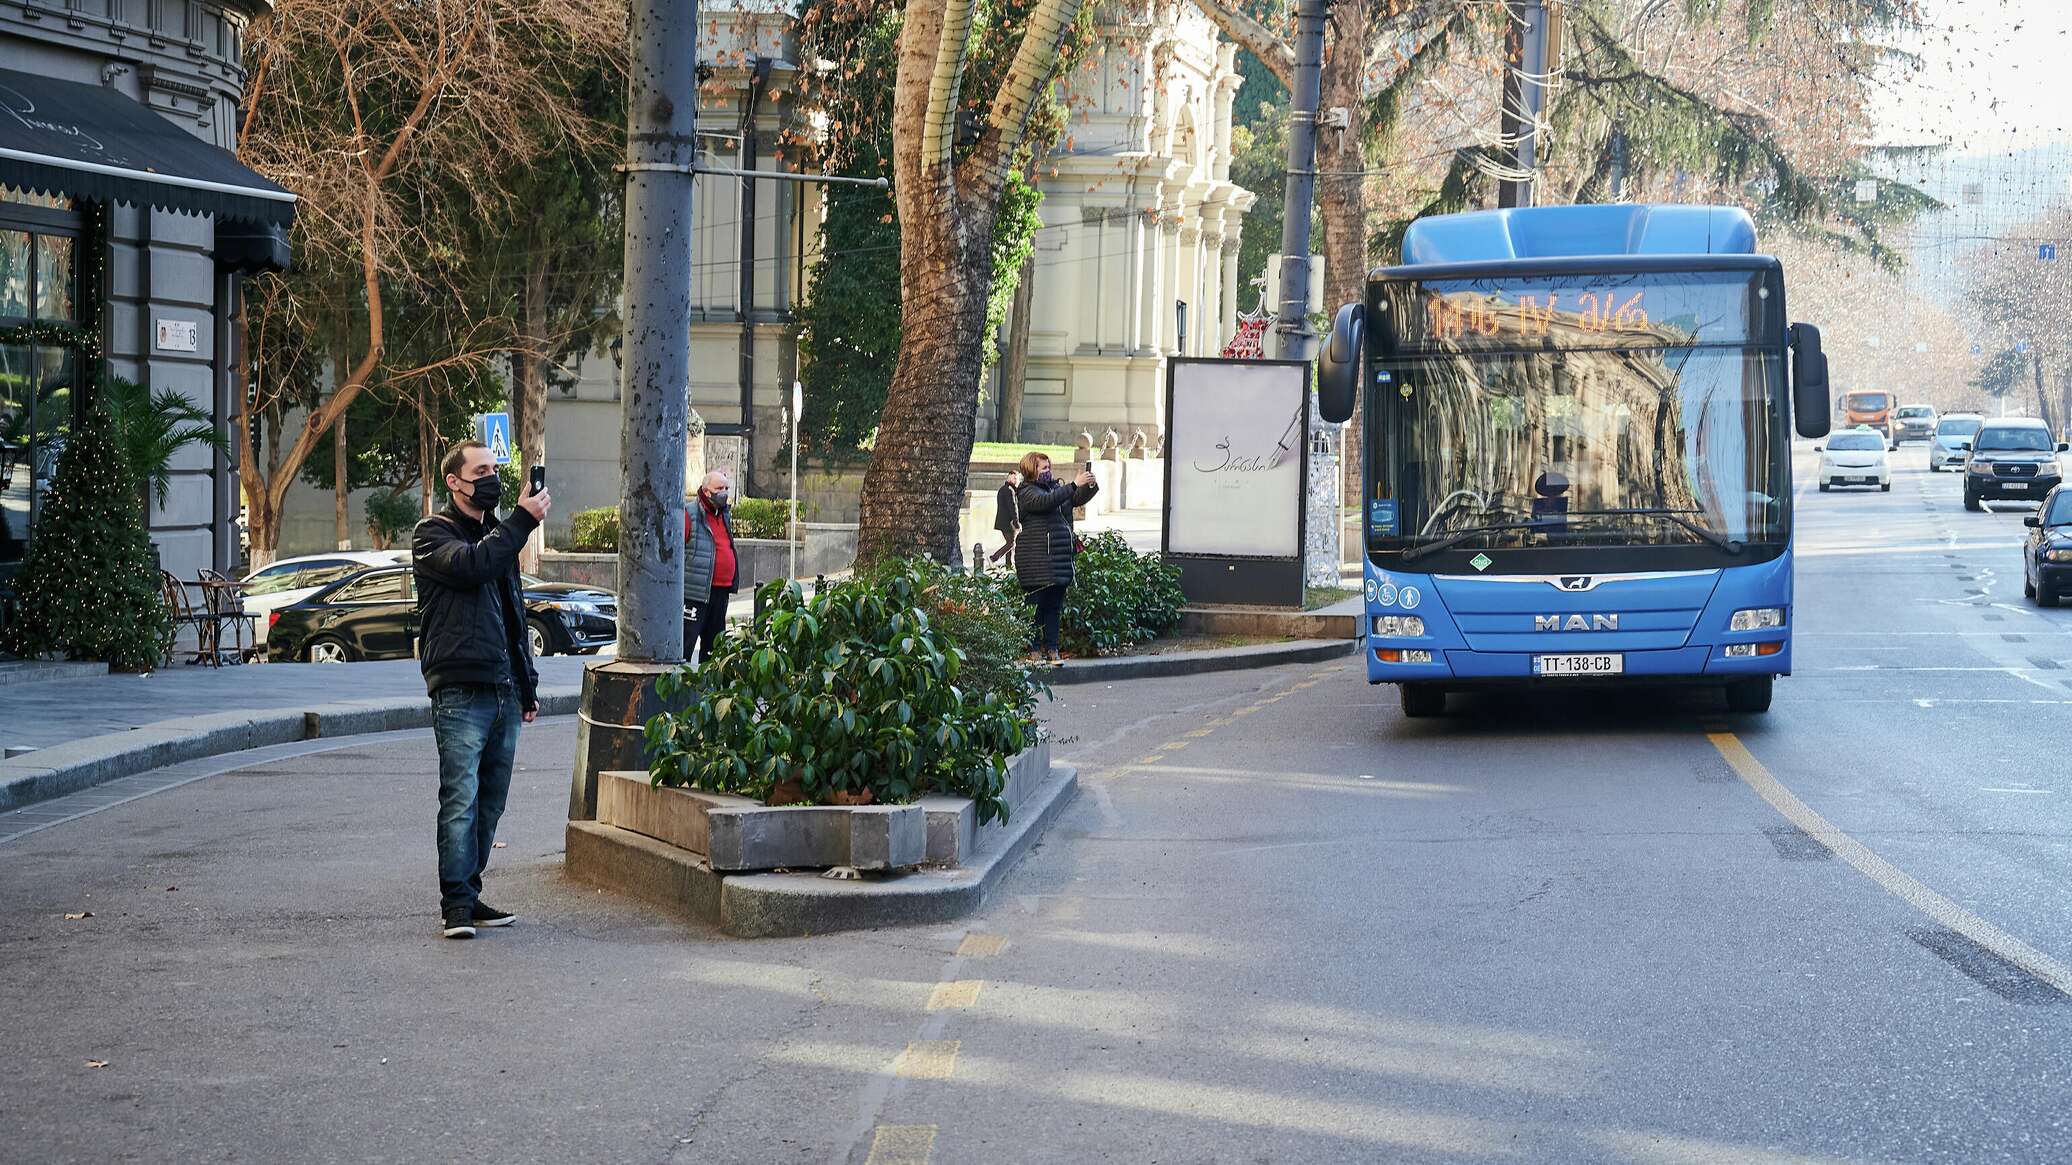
[1854, 457]
[291, 580]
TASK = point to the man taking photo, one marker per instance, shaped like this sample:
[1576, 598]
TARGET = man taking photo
[477, 665]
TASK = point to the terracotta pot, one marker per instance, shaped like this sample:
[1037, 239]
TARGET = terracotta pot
[789, 792]
[844, 797]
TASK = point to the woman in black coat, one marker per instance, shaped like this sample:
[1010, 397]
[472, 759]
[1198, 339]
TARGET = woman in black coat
[1043, 551]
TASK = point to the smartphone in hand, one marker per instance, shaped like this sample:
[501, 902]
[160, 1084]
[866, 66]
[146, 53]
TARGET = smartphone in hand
[539, 479]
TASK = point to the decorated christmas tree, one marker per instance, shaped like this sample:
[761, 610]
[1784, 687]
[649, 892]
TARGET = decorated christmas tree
[89, 587]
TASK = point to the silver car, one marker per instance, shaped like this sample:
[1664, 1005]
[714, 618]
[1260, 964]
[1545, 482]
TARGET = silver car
[1953, 433]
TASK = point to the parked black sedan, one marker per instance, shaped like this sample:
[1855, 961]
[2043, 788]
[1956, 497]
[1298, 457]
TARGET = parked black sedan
[2047, 554]
[373, 615]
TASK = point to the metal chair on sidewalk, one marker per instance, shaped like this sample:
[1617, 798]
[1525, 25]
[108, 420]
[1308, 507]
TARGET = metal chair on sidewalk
[184, 614]
[224, 600]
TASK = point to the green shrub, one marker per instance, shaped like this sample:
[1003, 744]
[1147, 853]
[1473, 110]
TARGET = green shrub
[89, 587]
[853, 689]
[986, 616]
[595, 530]
[391, 513]
[762, 518]
[1119, 597]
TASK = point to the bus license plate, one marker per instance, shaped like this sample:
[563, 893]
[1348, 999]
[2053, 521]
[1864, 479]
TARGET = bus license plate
[1578, 665]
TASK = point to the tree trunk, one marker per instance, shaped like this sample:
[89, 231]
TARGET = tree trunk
[1014, 369]
[1342, 198]
[2042, 395]
[529, 395]
[915, 484]
[425, 455]
[341, 491]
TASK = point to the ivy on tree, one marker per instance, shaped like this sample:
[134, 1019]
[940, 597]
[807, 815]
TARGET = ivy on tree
[89, 587]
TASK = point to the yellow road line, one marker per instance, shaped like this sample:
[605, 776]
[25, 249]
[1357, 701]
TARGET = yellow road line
[981, 946]
[1173, 745]
[1153, 759]
[901, 1145]
[958, 993]
[1891, 878]
[1247, 711]
[927, 1060]
[1198, 733]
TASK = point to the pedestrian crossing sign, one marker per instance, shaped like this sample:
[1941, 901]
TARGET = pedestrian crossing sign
[494, 430]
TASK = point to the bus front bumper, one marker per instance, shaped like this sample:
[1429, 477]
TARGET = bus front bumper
[1458, 667]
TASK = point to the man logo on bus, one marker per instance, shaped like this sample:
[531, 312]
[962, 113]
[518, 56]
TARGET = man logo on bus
[1574, 582]
[1575, 622]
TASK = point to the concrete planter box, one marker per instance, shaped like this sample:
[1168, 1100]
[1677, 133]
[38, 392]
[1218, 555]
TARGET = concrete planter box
[736, 835]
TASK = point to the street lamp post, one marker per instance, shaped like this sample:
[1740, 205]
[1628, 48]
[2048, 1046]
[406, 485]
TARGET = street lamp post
[1180, 323]
[654, 395]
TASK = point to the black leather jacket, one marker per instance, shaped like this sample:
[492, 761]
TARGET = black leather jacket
[470, 606]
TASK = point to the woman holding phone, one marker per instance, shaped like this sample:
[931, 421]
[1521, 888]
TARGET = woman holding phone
[1043, 551]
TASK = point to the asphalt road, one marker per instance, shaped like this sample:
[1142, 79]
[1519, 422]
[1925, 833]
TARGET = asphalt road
[1280, 924]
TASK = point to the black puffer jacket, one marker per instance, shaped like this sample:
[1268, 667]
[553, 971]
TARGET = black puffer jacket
[1043, 551]
[470, 607]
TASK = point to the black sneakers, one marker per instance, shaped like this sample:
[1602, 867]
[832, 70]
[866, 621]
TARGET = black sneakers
[487, 915]
[458, 925]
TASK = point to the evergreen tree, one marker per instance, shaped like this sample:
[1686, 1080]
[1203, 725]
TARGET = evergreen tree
[89, 587]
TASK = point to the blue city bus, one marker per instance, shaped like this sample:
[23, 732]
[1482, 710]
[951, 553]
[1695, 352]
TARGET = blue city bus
[1578, 455]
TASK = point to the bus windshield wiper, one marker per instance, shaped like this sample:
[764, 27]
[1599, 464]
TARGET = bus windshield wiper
[1454, 538]
[1730, 545]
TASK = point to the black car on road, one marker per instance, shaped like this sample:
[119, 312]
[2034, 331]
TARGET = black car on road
[2047, 555]
[373, 615]
[2013, 457]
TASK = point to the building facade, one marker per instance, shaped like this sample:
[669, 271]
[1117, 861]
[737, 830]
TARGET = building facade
[125, 225]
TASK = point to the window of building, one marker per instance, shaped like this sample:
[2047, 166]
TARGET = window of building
[40, 381]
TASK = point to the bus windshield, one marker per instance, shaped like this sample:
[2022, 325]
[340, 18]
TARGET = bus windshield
[1632, 447]
[1866, 402]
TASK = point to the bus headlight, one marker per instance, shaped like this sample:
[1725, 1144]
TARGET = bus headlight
[1399, 626]
[1752, 650]
[1757, 619]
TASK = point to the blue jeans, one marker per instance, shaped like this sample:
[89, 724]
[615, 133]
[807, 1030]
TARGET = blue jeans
[476, 726]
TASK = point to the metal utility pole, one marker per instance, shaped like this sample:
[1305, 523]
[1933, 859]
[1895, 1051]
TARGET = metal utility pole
[654, 394]
[1296, 340]
[1528, 65]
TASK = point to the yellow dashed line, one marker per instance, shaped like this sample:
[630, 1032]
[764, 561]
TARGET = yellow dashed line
[901, 1145]
[1221, 721]
[1199, 733]
[981, 946]
[1173, 745]
[1245, 711]
[1893, 880]
[1153, 759]
[957, 993]
[927, 1060]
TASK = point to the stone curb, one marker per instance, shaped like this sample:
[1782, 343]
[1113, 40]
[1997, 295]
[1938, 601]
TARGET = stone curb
[792, 905]
[1192, 663]
[80, 764]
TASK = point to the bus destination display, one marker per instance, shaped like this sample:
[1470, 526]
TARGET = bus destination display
[1655, 310]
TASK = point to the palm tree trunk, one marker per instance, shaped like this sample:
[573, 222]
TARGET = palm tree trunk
[912, 490]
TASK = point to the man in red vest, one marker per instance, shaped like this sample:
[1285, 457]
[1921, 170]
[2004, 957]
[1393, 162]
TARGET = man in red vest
[709, 565]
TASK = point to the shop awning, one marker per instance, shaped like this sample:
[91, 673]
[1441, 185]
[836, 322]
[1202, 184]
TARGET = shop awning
[83, 141]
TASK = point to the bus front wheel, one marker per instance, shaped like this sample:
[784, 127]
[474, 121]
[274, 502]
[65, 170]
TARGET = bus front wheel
[1750, 695]
[1420, 700]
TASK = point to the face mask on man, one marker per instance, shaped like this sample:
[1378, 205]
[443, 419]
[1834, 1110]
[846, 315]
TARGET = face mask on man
[486, 492]
[719, 497]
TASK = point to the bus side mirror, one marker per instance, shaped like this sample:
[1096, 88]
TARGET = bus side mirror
[1808, 381]
[1338, 368]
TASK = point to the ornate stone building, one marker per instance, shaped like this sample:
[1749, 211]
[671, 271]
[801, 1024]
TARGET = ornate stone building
[1140, 225]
